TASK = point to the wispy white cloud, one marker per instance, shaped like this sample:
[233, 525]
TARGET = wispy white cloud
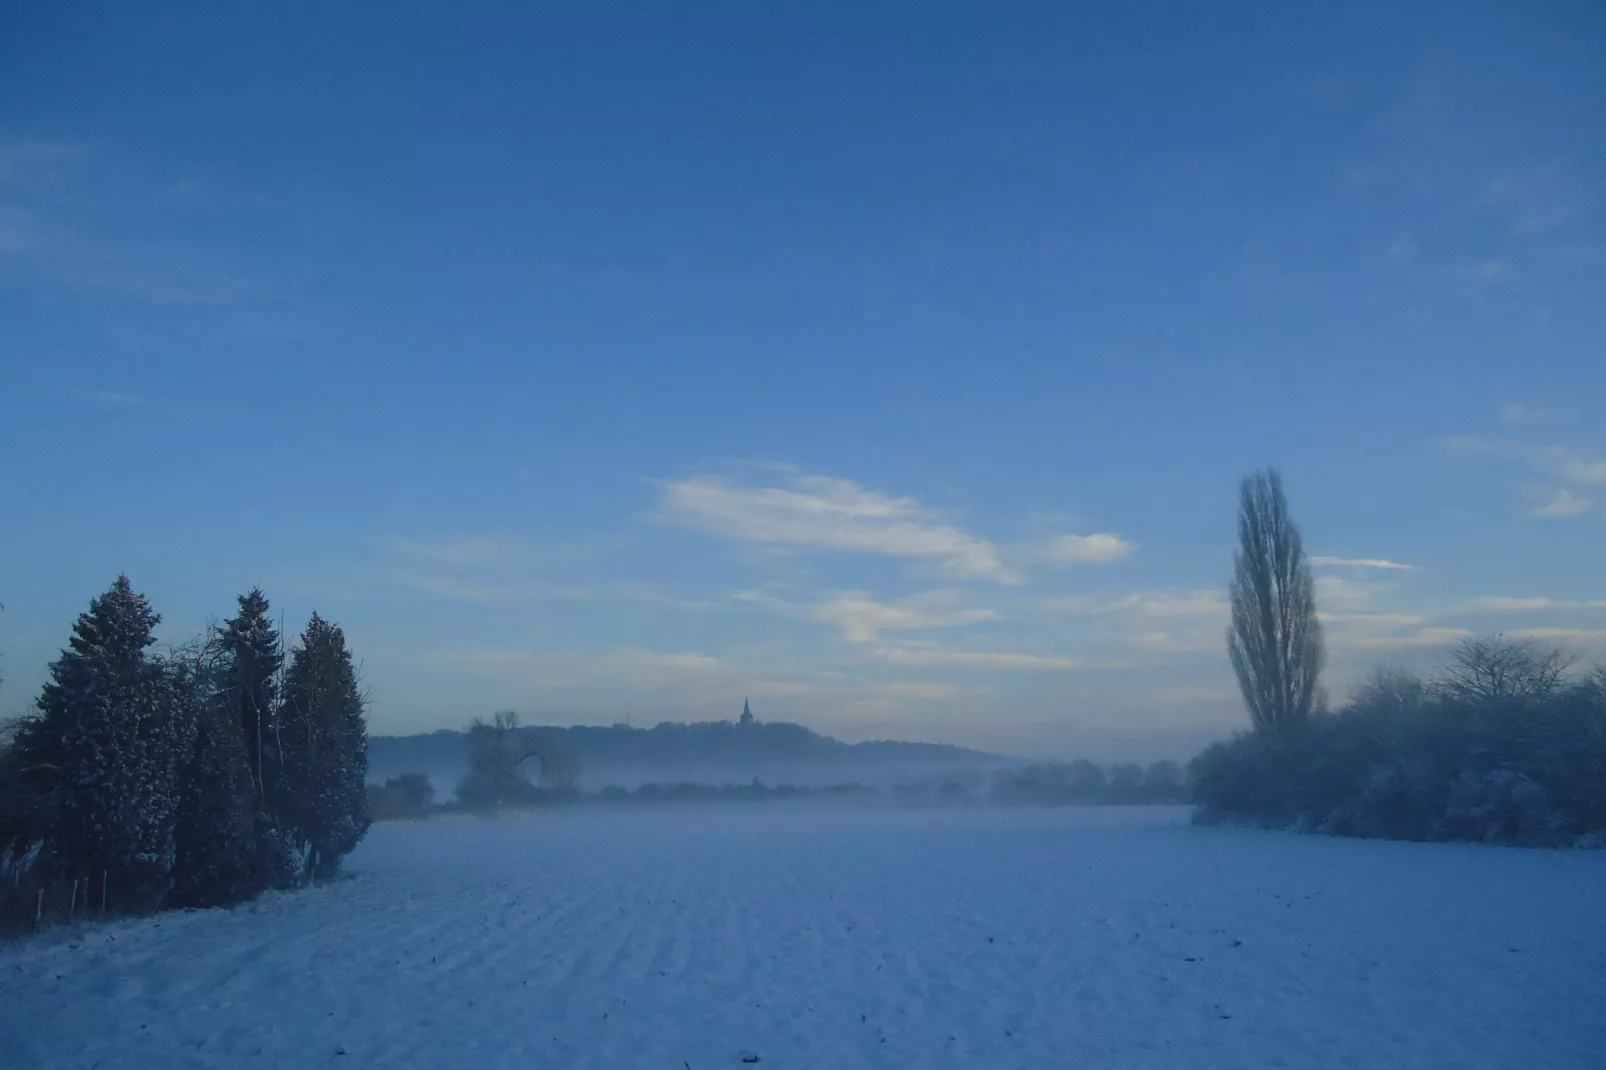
[1579, 636]
[493, 591]
[1323, 561]
[934, 658]
[54, 225]
[1502, 604]
[1563, 504]
[560, 666]
[1581, 467]
[1570, 463]
[808, 512]
[1177, 643]
[1096, 549]
[1371, 620]
[1347, 592]
[928, 691]
[1164, 602]
[1575, 468]
[1162, 621]
[861, 618]
[1419, 639]
[1519, 413]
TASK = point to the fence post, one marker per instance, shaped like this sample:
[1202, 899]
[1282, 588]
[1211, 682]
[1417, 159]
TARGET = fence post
[103, 893]
[39, 910]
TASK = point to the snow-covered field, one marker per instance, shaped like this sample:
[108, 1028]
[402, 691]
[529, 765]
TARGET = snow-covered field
[830, 939]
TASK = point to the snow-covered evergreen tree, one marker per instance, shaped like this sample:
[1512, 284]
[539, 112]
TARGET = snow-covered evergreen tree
[250, 684]
[321, 796]
[248, 689]
[110, 736]
[216, 855]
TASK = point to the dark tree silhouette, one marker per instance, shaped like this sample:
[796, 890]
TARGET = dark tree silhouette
[215, 850]
[105, 749]
[498, 753]
[1499, 669]
[321, 799]
[250, 685]
[1275, 640]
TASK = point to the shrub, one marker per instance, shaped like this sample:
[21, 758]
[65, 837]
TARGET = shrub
[407, 797]
[1503, 750]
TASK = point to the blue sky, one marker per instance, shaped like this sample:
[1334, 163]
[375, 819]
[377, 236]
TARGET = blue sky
[895, 367]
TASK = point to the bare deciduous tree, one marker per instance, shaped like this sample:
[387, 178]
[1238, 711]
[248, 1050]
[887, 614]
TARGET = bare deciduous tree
[498, 753]
[1275, 640]
[497, 750]
[1500, 669]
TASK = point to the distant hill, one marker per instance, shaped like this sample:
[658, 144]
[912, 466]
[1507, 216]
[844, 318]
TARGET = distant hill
[707, 752]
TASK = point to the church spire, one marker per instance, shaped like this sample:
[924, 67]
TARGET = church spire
[747, 712]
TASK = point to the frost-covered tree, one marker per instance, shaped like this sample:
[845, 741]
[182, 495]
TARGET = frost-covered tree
[1504, 670]
[1275, 640]
[321, 796]
[250, 664]
[249, 683]
[105, 751]
[217, 858]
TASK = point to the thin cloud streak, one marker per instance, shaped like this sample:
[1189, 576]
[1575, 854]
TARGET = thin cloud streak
[1166, 602]
[1564, 504]
[1503, 604]
[1323, 561]
[1581, 636]
[928, 658]
[861, 619]
[1420, 639]
[1100, 548]
[1569, 463]
[823, 513]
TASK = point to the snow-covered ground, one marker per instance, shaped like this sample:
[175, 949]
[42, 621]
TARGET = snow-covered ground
[978, 939]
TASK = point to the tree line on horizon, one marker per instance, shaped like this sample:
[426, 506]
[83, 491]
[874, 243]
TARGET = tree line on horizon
[196, 777]
[496, 783]
[1507, 743]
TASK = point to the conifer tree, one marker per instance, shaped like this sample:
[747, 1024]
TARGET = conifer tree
[250, 684]
[108, 741]
[248, 691]
[321, 795]
[216, 853]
